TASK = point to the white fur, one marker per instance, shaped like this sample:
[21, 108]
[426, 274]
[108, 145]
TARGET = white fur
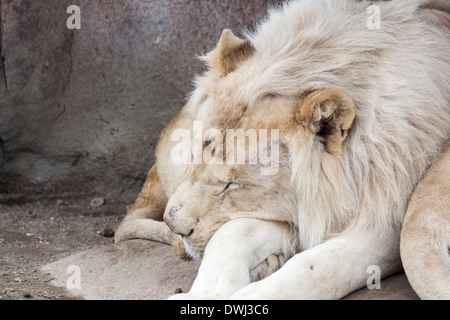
[221, 275]
[351, 207]
[402, 94]
[348, 207]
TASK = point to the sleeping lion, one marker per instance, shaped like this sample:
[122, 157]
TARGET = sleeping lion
[355, 116]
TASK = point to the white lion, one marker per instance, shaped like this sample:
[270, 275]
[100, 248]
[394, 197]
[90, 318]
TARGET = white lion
[361, 112]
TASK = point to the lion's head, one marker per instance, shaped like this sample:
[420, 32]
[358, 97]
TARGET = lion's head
[237, 180]
[211, 195]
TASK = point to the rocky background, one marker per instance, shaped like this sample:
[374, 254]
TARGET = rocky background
[81, 110]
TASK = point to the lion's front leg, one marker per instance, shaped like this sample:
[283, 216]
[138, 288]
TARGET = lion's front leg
[331, 270]
[232, 253]
[149, 206]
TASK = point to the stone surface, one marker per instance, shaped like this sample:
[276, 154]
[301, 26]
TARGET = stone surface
[395, 287]
[140, 269]
[81, 110]
[135, 269]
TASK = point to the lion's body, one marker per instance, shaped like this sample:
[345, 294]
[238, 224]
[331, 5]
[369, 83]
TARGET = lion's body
[425, 238]
[346, 194]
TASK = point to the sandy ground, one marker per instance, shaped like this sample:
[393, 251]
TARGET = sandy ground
[34, 235]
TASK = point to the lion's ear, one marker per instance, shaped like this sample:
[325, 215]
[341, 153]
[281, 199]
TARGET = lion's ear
[329, 114]
[230, 52]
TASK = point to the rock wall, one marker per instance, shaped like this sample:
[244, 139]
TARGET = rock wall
[81, 110]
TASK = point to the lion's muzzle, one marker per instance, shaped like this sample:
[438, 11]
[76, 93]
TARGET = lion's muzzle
[178, 222]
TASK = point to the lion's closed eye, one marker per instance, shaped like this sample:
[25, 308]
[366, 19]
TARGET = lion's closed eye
[232, 186]
[228, 187]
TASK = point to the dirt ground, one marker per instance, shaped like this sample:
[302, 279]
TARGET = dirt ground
[36, 234]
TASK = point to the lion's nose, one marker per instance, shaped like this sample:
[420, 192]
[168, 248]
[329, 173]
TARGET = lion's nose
[173, 211]
[181, 224]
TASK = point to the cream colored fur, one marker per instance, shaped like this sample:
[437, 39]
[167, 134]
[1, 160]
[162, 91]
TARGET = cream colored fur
[345, 194]
[425, 237]
[237, 265]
